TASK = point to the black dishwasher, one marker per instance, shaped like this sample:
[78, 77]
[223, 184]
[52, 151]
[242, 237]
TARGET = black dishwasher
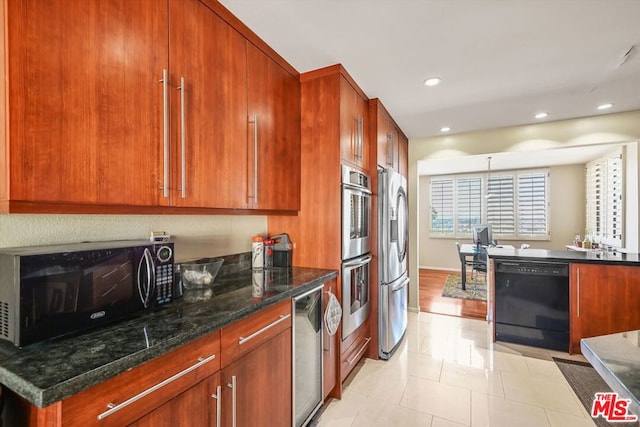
[532, 303]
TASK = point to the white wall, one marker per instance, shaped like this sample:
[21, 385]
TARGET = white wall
[609, 128]
[566, 219]
[196, 236]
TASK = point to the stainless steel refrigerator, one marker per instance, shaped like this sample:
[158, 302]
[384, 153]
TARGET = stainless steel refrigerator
[393, 237]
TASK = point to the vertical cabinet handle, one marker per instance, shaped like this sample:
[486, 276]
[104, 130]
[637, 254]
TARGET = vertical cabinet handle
[218, 397]
[578, 286]
[183, 138]
[255, 158]
[390, 149]
[232, 386]
[165, 120]
[361, 137]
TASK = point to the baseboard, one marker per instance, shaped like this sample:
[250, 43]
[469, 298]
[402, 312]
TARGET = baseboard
[455, 270]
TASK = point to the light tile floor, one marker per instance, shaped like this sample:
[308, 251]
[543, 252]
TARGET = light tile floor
[447, 372]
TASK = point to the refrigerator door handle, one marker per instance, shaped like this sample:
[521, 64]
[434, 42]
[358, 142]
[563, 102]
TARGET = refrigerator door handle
[400, 285]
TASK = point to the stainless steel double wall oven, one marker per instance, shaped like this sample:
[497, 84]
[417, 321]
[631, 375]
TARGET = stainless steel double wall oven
[356, 257]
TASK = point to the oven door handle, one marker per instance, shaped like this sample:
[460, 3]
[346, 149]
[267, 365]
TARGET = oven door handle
[358, 262]
[356, 188]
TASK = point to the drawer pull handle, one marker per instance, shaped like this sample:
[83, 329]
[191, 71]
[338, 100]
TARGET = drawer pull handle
[364, 346]
[283, 317]
[115, 408]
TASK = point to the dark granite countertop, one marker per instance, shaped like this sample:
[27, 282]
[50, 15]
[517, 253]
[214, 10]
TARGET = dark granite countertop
[50, 371]
[616, 358]
[596, 257]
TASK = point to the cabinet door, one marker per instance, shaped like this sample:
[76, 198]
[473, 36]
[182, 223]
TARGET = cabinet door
[384, 137]
[274, 134]
[403, 155]
[195, 407]
[604, 300]
[257, 387]
[331, 349]
[210, 160]
[347, 122]
[86, 102]
[362, 132]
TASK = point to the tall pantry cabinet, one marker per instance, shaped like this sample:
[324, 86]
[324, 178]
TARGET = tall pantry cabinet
[132, 106]
[334, 131]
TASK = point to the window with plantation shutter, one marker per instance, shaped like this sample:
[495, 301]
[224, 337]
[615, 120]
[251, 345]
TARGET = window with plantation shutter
[532, 205]
[604, 188]
[469, 204]
[442, 206]
[516, 204]
[501, 206]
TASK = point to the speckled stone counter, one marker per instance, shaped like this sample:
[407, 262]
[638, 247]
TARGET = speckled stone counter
[47, 372]
[596, 257]
[616, 358]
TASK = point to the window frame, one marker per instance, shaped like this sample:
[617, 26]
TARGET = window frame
[456, 233]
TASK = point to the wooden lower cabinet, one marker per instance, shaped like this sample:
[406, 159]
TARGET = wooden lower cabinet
[604, 299]
[195, 407]
[354, 348]
[190, 386]
[330, 350]
[257, 387]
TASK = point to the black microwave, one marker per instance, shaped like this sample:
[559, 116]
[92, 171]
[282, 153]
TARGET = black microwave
[50, 291]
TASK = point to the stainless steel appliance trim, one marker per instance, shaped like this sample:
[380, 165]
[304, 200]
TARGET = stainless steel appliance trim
[362, 349]
[358, 262]
[183, 138]
[402, 251]
[165, 118]
[319, 288]
[283, 317]
[401, 285]
[115, 408]
[218, 397]
[232, 385]
[356, 188]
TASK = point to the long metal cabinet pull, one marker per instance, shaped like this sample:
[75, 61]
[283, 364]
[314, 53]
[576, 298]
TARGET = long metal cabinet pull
[218, 397]
[361, 136]
[282, 318]
[115, 408]
[578, 286]
[255, 158]
[232, 386]
[364, 346]
[183, 138]
[165, 103]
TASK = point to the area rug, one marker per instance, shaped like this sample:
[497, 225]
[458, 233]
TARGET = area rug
[585, 382]
[475, 289]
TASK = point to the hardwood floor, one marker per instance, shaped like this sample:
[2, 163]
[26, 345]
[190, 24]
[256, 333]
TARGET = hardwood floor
[432, 301]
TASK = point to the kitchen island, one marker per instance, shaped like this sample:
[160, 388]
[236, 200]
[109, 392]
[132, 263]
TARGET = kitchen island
[616, 358]
[544, 297]
[48, 372]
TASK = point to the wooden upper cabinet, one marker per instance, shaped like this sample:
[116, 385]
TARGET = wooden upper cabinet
[354, 135]
[209, 159]
[274, 134]
[392, 145]
[143, 105]
[84, 101]
[603, 299]
[403, 154]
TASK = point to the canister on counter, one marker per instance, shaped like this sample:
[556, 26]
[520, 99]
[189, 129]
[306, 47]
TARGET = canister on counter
[282, 251]
[257, 252]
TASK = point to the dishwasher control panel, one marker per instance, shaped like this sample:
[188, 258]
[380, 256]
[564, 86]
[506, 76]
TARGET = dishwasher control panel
[533, 268]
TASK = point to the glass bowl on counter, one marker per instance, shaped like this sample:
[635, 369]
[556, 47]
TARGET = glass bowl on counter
[197, 278]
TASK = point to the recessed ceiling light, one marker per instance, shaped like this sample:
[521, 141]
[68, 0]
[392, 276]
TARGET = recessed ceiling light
[432, 81]
[445, 129]
[605, 106]
[541, 115]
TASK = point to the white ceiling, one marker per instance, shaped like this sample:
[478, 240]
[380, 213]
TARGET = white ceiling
[501, 61]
